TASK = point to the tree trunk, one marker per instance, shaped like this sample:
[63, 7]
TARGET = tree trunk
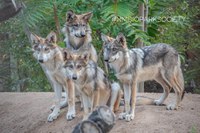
[56, 20]
[146, 15]
[8, 9]
[101, 120]
[139, 41]
[87, 126]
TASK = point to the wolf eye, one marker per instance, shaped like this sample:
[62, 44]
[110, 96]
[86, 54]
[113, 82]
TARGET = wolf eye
[114, 49]
[83, 24]
[38, 49]
[75, 25]
[46, 49]
[70, 66]
[79, 66]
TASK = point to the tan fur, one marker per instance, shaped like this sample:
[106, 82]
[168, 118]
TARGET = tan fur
[90, 80]
[73, 34]
[51, 59]
[158, 62]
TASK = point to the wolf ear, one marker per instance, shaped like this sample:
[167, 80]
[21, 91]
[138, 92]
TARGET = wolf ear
[85, 56]
[34, 38]
[51, 37]
[122, 40]
[66, 54]
[87, 16]
[104, 38]
[70, 15]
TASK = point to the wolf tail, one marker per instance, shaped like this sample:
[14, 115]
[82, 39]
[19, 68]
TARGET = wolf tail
[180, 80]
[116, 95]
[142, 100]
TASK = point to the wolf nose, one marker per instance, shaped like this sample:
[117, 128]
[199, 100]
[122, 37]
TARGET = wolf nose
[41, 61]
[74, 77]
[82, 35]
[106, 60]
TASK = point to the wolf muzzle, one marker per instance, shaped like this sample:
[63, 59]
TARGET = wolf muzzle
[41, 60]
[74, 77]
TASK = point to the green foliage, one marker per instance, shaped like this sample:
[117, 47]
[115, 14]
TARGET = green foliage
[193, 129]
[109, 17]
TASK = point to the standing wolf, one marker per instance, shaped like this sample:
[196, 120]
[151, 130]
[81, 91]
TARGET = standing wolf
[94, 87]
[50, 58]
[158, 62]
[78, 33]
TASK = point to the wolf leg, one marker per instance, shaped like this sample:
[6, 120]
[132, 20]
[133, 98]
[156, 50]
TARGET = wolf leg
[131, 114]
[71, 100]
[63, 103]
[95, 99]
[178, 93]
[85, 106]
[170, 78]
[127, 97]
[115, 96]
[56, 111]
[94, 56]
[166, 89]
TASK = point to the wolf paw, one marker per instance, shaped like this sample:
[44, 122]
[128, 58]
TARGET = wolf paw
[122, 115]
[54, 115]
[129, 117]
[70, 115]
[172, 107]
[63, 104]
[157, 102]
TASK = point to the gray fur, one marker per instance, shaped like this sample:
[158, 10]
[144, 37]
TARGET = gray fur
[158, 62]
[77, 33]
[91, 82]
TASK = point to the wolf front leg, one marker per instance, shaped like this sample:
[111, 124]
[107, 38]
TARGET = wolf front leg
[63, 103]
[58, 94]
[71, 100]
[131, 114]
[127, 98]
[115, 96]
[86, 105]
[95, 99]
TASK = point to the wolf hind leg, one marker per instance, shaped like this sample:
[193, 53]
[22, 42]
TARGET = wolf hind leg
[178, 85]
[170, 77]
[166, 90]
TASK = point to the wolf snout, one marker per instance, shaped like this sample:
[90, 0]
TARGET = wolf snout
[41, 60]
[106, 60]
[74, 77]
[82, 34]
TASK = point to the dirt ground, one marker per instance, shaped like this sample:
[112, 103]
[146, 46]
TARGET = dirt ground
[27, 113]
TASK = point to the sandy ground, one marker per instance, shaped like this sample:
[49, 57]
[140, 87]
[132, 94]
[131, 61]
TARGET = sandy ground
[27, 113]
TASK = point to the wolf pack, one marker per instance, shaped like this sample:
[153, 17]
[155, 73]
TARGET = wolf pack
[74, 69]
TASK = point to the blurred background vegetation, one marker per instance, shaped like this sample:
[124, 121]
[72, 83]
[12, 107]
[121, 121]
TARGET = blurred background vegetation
[175, 22]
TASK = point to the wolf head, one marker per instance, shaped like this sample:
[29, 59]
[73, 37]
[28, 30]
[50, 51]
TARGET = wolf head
[113, 48]
[75, 63]
[43, 49]
[77, 25]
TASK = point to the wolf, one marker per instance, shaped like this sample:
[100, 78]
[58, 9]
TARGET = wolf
[158, 62]
[78, 33]
[91, 81]
[50, 57]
